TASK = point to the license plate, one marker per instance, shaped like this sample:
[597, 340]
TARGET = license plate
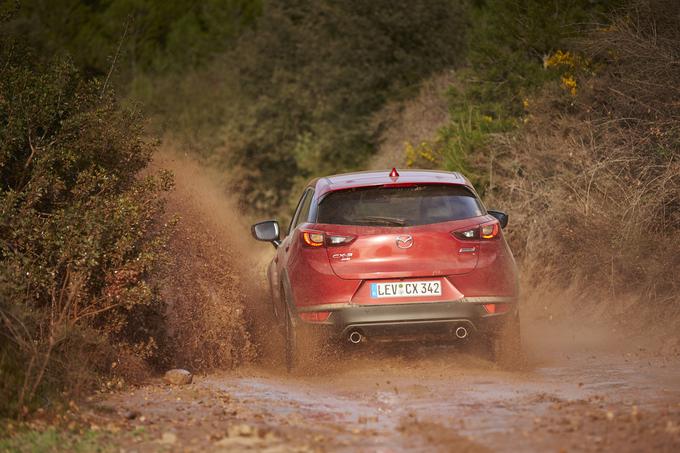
[406, 289]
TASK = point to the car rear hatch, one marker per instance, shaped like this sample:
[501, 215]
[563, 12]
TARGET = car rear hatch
[383, 253]
[403, 231]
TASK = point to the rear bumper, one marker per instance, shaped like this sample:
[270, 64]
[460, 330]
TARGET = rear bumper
[414, 319]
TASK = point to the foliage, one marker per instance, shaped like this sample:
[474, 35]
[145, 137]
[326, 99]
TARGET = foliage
[593, 177]
[311, 74]
[160, 54]
[28, 439]
[155, 36]
[278, 91]
[514, 48]
[78, 231]
[513, 38]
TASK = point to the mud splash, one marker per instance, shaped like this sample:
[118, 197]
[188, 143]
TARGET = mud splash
[202, 281]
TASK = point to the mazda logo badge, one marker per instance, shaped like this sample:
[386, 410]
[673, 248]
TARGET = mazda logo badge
[404, 242]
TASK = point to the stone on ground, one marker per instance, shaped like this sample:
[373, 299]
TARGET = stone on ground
[178, 377]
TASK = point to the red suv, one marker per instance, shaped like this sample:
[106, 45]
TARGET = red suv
[382, 255]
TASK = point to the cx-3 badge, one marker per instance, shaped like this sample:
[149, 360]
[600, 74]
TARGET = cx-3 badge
[404, 242]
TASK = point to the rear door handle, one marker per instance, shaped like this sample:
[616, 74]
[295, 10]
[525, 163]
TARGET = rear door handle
[467, 250]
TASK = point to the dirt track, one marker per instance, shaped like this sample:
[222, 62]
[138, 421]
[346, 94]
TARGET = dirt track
[424, 398]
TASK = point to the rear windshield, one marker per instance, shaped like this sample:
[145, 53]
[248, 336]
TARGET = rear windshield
[399, 206]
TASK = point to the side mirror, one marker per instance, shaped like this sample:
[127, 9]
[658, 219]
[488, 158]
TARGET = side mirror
[267, 231]
[501, 216]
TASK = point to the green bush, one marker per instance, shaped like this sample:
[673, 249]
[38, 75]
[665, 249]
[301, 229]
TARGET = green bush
[78, 232]
[160, 36]
[509, 50]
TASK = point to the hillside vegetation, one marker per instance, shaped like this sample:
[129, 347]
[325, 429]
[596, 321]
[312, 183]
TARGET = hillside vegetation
[593, 177]
[296, 95]
[79, 233]
[87, 253]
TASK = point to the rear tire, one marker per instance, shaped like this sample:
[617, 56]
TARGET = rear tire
[302, 343]
[506, 344]
[292, 349]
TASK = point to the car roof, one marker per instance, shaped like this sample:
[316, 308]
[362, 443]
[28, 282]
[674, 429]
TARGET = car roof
[382, 177]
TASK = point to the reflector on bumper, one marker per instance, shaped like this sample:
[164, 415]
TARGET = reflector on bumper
[315, 316]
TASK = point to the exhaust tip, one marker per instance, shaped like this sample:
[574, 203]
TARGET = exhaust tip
[355, 337]
[461, 332]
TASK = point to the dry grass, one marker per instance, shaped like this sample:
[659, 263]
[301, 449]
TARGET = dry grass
[412, 121]
[593, 182]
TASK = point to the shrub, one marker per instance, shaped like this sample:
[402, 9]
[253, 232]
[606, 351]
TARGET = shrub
[78, 236]
[160, 36]
[594, 179]
[514, 47]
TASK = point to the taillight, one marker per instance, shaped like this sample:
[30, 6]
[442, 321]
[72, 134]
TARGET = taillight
[315, 316]
[317, 239]
[332, 240]
[487, 230]
[312, 238]
[466, 235]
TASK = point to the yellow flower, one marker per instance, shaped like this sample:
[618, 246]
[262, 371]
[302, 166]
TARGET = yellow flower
[569, 83]
[427, 155]
[424, 150]
[560, 58]
[410, 154]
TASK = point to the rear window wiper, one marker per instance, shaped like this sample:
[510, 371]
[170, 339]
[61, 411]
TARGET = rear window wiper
[381, 219]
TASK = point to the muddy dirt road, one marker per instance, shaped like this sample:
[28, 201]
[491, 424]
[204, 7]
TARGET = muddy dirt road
[580, 396]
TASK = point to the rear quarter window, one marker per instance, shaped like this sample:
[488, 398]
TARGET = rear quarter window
[399, 206]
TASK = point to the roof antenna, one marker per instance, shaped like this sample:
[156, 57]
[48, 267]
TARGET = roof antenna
[394, 173]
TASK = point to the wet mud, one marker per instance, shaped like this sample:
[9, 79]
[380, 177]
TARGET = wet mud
[426, 398]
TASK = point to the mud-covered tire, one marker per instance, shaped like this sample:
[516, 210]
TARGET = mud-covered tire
[292, 347]
[506, 344]
[291, 335]
[303, 346]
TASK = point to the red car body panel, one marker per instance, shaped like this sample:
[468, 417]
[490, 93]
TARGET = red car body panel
[374, 255]
[312, 280]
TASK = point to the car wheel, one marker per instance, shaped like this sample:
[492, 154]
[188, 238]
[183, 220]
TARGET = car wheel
[291, 344]
[275, 312]
[303, 344]
[506, 345]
